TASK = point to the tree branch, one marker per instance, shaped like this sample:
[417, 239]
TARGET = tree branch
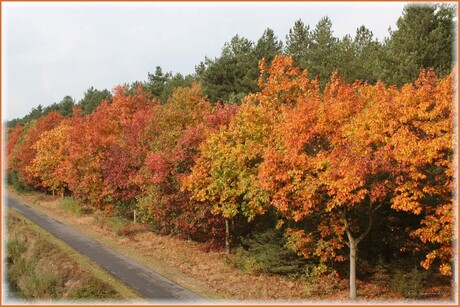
[369, 225]
[347, 228]
[364, 234]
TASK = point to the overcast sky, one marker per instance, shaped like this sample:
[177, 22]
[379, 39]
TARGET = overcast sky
[50, 50]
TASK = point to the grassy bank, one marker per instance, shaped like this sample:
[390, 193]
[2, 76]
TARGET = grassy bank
[42, 268]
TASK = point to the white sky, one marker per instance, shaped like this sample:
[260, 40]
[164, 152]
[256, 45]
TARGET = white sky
[50, 50]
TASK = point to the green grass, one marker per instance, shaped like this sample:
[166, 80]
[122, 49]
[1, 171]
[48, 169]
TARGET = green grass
[70, 205]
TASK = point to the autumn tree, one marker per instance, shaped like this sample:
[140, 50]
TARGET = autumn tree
[339, 157]
[13, 137]
[359, 173]
[172, 138]
[225, 173]
[423, 146]
[50, 162]
[93, 138]
[226, 168]
[24, 151]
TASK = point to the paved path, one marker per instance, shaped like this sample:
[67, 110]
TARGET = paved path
[148, 283]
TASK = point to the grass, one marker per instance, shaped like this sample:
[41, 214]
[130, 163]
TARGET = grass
[70, 205]
[42, 267]
[92, 290]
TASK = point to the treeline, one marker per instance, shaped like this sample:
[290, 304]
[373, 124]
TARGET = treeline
[321, 163]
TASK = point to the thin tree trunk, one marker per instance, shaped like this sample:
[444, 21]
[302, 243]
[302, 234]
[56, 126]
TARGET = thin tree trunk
[353, 245]
[353, 250]
[134, 219]
[227, 237]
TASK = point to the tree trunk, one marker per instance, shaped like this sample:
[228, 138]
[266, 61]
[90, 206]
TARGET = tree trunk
[353, 245]
[135, 217]
[227, 237]
[353, 250]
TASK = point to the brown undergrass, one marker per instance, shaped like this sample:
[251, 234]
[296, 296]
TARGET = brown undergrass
[207, 273]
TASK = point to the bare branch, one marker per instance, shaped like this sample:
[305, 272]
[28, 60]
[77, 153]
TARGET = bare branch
[347, 228]
[369, 227]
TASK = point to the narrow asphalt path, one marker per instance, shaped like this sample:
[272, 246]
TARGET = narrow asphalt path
[148, 283]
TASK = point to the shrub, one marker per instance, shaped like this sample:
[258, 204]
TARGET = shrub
[244, 261]
[25, 275]
[17, 269]
[15, 248]
[70, 205]
[41, 284]
[408, 284]
[265, 252]
[93, 289]
[320, 280]
[120, 225]
[14, 179]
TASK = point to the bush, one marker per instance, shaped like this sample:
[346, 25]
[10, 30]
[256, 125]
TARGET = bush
[120, 225]
[125, 209]
[40, 284]
[266, 252]
[408, 284]
[320, 280]
[17, 266]
[15, 248]
[14, 179]
[70, 205]
[26, 276]
[17, 269]
[93, 289]
[245, 262]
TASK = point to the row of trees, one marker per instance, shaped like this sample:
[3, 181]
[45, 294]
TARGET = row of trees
[326, 167]
[131, 152]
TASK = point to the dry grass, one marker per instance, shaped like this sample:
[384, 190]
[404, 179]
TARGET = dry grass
[207, 273]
